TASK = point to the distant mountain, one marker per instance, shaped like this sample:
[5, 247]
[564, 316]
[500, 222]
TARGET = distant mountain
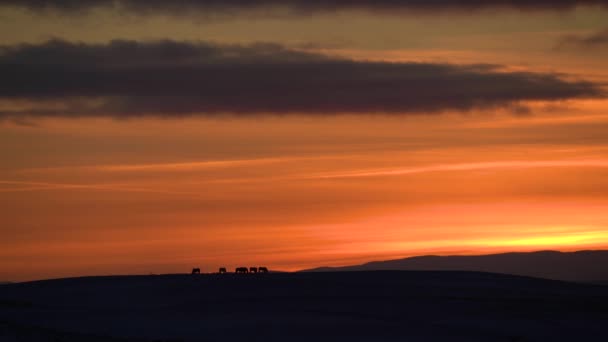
[582, 266]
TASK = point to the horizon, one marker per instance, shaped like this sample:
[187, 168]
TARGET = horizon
[140, 137]
[211, 270]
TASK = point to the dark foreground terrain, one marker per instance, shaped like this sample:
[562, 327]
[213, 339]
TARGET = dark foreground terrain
[345, 306]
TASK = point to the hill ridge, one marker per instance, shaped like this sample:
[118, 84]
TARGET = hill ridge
[578, 266]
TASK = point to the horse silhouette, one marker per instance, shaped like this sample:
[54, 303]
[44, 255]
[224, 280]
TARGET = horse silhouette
[241, 270]
[253, 270]
[196, 271]
[262, 270]
[222, 270]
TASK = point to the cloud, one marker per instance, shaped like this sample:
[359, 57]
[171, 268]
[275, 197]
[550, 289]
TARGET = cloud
[495, 165]
[129, 78]
[294, 6]
[595, 40]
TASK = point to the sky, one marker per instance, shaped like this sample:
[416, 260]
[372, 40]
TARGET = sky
[149, 137]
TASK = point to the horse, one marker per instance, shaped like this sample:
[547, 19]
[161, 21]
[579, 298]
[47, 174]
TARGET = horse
[241, 270]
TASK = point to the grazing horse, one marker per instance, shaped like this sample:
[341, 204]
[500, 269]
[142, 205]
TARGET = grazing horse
[196, 271]
[253, 270]
[241, 270]
[222, 270]
[263, 270]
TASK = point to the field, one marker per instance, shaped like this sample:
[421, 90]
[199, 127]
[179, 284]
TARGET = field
[344, 306]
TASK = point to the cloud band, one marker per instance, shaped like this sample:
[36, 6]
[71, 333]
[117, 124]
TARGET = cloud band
[295, 6]
[130, 78]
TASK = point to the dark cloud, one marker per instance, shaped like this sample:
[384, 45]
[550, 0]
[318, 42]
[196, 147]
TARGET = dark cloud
[296, 6]
[594, 40]
[128, 78]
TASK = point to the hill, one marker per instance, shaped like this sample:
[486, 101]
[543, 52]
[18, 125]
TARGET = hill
[582, 266]
[333, 306]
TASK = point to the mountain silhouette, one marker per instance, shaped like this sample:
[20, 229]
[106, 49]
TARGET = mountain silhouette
[581, 266]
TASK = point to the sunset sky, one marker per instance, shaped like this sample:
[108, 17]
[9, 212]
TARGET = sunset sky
[143, 137]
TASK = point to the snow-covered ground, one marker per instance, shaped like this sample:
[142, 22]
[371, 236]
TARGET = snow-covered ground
[346, 306]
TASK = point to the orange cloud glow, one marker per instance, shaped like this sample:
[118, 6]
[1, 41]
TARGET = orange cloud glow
[332, 198]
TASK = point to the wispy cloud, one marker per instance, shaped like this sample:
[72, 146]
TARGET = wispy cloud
[515, 164]
[586, 41]
[181, 166]
[25, 186]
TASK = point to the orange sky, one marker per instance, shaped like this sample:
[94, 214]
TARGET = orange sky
[100, 195]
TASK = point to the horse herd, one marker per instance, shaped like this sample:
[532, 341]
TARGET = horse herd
[238, 270]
